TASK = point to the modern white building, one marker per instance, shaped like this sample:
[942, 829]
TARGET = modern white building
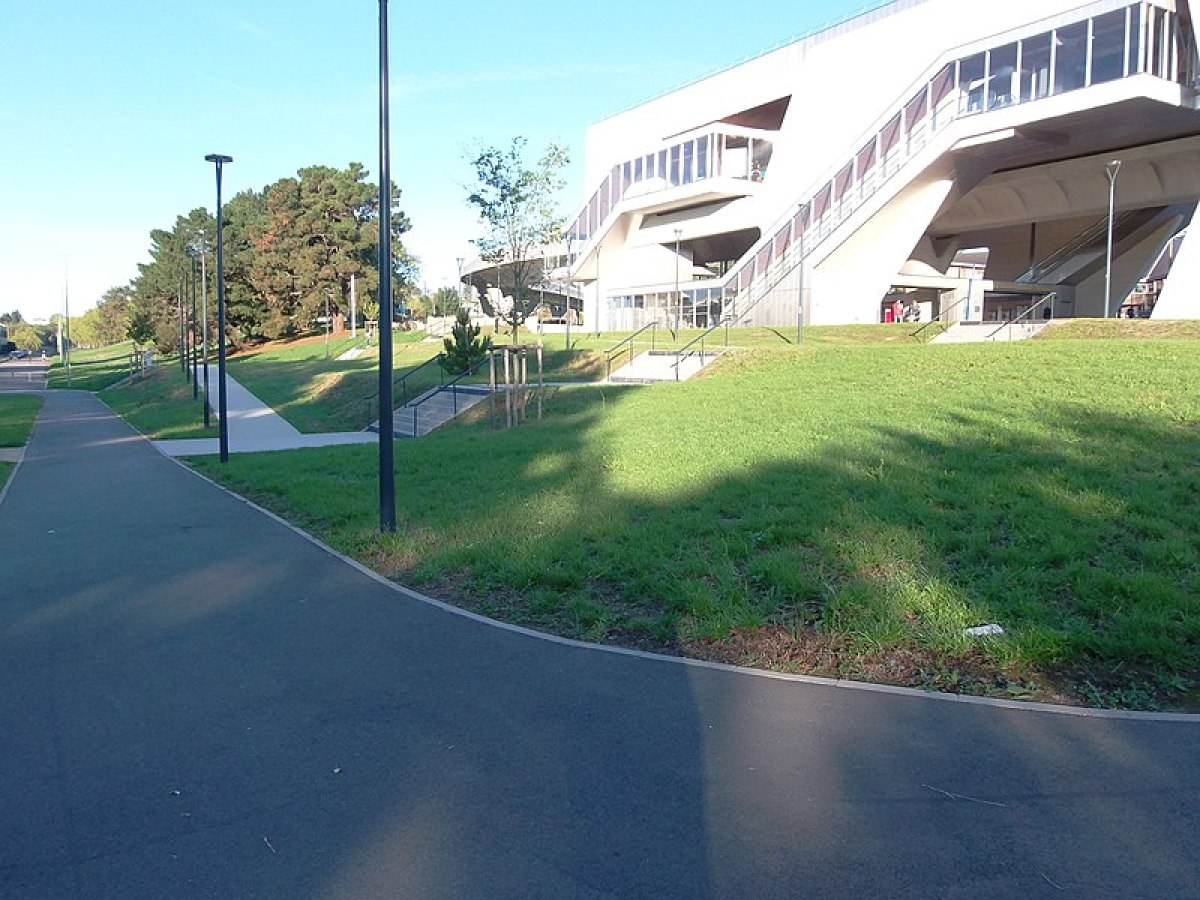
[822, 180]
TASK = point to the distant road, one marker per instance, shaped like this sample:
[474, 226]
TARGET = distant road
[23, 374]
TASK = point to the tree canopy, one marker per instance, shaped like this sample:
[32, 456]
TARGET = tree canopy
[286, 247]
[516, 203]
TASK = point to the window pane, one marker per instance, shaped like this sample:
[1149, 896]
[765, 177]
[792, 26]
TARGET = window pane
[820, 204]
[866, 159]
[1135, 40]
[675, 165]
[943, 84]
[1001, 76]
[688, 150]
[889, 137]
[1108, 47]
[1070, 64]
[970, 82]
[702, 157]
[842, 182]
[1035, 67]
[915, 109]
[638, 169]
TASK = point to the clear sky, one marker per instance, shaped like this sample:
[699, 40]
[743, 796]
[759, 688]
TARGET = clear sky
[107, 109]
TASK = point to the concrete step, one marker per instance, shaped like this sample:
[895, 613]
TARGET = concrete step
[980, 332]
[659, 365]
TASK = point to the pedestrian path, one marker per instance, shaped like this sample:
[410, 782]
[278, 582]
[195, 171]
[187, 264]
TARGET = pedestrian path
[254, 427]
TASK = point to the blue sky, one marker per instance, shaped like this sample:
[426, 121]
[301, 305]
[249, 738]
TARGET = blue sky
[108, 109]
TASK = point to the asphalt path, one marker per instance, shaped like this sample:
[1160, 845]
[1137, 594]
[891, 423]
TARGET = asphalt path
[199, 702]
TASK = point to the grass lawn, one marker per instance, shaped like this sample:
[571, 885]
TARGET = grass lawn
[160, 405]
[92, 370]
[17, 413]
[847, 508]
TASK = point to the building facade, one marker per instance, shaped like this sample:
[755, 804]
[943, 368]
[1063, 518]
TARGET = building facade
[976, 156]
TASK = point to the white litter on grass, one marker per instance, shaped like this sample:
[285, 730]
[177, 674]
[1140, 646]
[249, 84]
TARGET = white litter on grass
[984, 630]
[353, 353]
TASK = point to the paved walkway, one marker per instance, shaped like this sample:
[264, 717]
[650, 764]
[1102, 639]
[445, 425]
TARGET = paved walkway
[198, 702]
[23, 375]
[254, 426]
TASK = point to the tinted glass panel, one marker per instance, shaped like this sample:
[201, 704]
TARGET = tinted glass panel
[943, 84]
[688, 150]
[916, 108]
[1035, 67]
[1070, 63]
[1002, 70]
[889, 137]
[702, 157]
[970, 82]
[1108, 47]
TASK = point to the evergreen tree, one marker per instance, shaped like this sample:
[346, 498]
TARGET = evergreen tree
[464, 347]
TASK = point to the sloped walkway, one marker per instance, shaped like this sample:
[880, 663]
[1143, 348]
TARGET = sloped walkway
[254, 427]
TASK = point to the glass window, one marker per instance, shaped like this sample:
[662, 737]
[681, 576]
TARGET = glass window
[689, 150]
[605, 196]
[675, 165]
[970, 82]
[1135, 39]
[782, 239]
[626, 176]
[915, 109]
[866, 159]
[1035, 67]
[702, 157]
[1108, 47]
[662, 163]
[639, 169]
[1002, 70]
[941, 86]
[1070, 57]
[762, 262]
[889, 137]
[842, 182]
[800, 221]
[820, 204]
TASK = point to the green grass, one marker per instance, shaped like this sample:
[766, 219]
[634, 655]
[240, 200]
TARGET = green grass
[848, 513]
[17, 414]
[161, 406]
[92, 370]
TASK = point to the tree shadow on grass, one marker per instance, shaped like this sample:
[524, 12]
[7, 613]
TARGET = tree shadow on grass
[1078, 538]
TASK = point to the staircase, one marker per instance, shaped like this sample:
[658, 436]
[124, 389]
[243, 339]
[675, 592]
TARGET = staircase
[660, 365]
[433, 409]
[980, 332]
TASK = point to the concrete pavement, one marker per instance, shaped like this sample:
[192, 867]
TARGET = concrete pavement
[255, 427]
[199, 702]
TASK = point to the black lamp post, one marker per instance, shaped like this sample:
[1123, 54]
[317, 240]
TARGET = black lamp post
[387, 474]
[218, 160]
[194, 354]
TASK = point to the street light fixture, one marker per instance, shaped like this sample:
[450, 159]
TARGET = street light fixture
[387, 474]
[1111, 170]
[219, 160]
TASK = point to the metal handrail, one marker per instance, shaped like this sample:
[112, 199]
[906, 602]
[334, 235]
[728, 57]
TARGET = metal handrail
[451, 385]
[942, 313]
[372, 400]
[1022, 315]
[614, 351]
[1089, 236]
[686, 350]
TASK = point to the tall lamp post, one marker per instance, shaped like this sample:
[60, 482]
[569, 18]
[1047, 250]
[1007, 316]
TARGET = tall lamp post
[678, 296]
[1111, 171]
[195, 356]
[387, 474]
[218, 160]
[461, 298]
[203, 248]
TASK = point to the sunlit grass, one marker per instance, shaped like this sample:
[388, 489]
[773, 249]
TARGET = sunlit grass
[888, 497]
[17, 414]
[92, 369]
[161, 405]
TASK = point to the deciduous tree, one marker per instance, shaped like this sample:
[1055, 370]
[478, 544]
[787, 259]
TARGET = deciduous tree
[516, 203]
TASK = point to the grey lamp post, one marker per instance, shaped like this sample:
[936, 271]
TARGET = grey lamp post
[1111, 170]
[201, 248]
[678, 296]
[387, 474]
[218, 160]
[327, 324]
[461, 301]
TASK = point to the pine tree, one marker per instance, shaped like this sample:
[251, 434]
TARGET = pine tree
[464, 347]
